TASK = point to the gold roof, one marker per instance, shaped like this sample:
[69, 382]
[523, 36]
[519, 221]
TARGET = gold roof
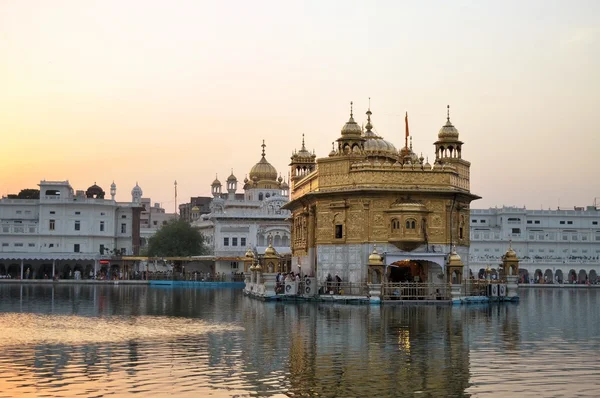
[448, 131]
[375, 258]
[216, 181]
[263, 170]
[376, 145]
[351, 127]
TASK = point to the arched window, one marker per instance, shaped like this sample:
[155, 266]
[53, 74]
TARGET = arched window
[260, 196]
[267, 195]
[411, 224]
[395, 224]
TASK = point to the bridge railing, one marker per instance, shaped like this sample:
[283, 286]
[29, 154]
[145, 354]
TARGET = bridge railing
[415, 291]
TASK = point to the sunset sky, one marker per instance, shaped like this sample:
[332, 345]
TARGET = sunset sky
[157, 91]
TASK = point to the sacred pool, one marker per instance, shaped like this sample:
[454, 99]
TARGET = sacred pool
[101, 340]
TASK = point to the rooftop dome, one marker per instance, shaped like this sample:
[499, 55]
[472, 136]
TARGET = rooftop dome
[374, 144]
[195, 209]
[351, 128]
[95, 191]
[448, 130]
[216, 182]
[231, 177]
[303, 152]
[263, 170]
[136, 191]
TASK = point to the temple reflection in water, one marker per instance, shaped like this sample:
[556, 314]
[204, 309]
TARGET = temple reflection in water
[222, 339]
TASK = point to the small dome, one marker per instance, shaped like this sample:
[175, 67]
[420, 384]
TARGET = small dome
[280, 179]
[113, 185]
[284, 185]
[195, 209]
[231, 177]
[249, 253]
[510, 254]
[136, 191]
[270, 251]
[448, 131]
[375, 258]
[351, 127]
[216, 182]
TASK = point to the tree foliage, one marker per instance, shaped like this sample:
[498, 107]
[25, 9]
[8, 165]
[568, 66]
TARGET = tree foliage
[26, 194]
[177, 238]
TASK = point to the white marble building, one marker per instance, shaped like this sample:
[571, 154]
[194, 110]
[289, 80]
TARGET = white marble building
[237, 222]
[66, 231]
[551, 244]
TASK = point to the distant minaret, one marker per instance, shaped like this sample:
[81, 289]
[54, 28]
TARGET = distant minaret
[175, 196]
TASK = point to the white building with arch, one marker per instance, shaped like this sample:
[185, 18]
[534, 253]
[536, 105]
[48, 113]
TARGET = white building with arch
[552, 245]
[239, 221]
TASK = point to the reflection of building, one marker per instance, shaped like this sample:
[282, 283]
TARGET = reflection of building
[366, 192]
[152, 218]
[67, 231]
[238, 221]
[551, 244]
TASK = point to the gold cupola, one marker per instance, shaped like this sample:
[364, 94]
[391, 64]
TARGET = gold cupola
[448, 148]
[376, 146]
[263, 170]
[352, 140]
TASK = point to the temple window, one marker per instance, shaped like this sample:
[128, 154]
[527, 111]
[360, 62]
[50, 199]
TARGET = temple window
[260, 196]
[411, 224]
[395, 224]
[339, 231]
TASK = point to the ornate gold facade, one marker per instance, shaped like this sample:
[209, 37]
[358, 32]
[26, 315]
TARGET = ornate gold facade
[366, 192]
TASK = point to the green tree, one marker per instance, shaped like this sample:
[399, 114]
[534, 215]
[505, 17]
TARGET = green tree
[177, 238]
[26, 194]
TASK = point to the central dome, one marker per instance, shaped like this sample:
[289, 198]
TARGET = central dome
[263, 170]
[376, 145]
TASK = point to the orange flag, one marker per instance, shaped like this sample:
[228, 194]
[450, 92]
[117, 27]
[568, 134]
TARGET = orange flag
[406, 137]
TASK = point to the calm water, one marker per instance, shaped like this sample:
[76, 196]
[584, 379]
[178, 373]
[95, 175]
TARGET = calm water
[125, 340]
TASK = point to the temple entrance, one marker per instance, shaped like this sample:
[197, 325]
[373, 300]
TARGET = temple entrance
[406, 271]
[420, 271]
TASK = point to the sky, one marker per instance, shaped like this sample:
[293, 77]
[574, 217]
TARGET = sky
[157, 91]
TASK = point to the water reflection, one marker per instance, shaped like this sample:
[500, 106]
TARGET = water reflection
[99, 340]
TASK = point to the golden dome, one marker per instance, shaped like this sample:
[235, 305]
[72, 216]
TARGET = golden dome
[374, 144]
[454, 259]
[351, 127]
[216, 182]
[249, 253]
[270, 251]
[375, 258]
[448, 131]
[510, 254]
[263, 170]
[195, 209]
[231, 177]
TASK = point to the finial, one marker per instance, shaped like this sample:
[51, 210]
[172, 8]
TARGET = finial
[351, 114]
[369, 103]
[263, 148]
[411, 143]
[510, 244]
[303, 147]
[232, 171]
[448, 113]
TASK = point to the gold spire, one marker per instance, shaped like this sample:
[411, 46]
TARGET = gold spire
[263, 148]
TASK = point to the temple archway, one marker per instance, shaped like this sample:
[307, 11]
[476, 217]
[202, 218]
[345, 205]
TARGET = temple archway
[523, 275]
[572, 276]
[548, 278]
[415, 271]
[558, 276]
[582, 276]
[538, 276]
[593, 277]
[481, 273]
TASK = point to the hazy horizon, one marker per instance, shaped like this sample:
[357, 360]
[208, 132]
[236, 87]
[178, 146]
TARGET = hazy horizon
[156, 91]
